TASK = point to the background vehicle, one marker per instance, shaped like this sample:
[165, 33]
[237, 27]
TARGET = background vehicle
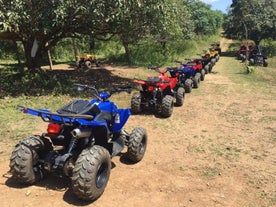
[258, 57]
[206, 65]
[216, 46]
[87, 61]
[210, 58]
[197, 66]
[158, 92]
[187, 75]
[80, 140]
[245, 48]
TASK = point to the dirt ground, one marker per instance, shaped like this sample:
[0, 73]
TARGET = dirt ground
[217, 150]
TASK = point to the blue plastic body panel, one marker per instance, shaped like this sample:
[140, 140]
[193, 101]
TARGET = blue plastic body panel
[85, 120]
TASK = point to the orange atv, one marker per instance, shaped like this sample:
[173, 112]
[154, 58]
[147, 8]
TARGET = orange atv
[87, 61]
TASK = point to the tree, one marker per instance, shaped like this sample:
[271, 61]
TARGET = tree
[40, 24]
[257, 17]
[206, 21]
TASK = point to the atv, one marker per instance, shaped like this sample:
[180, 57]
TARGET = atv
[158, 92]
[216, 46]
[246, 48]
[184, 76]
[190, 77]
[80, 140]
[214, 54]
[86, 61]
[243, 51]
[210, 59]
[206, 65]
[198, 67]
[257, 56]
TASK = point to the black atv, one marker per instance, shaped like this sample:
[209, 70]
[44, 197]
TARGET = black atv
[257, 56]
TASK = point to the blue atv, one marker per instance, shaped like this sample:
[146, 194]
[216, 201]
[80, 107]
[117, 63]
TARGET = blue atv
[80, 140]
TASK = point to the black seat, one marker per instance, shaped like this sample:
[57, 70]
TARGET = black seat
[79, 107]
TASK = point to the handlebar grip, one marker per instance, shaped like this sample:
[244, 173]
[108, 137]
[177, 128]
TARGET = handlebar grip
[121, 89]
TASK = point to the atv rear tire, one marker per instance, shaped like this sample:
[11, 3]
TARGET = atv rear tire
[196, 80]
[265, 64]
[167, 106]
[213, 61]
[210, 68]
[91, 173]
[88, 64]
[24, 160]
[202, 75]
[206, 68]
[180, 96]
[136, 103]
[251, 61]
[137, 144]
[188, 85]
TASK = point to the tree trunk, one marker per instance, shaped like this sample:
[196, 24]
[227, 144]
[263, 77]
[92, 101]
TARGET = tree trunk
[127, 52]
[49, 57]
[164, 48]
[32, 63]
[17, 52]
[75, 49]
[92, 44]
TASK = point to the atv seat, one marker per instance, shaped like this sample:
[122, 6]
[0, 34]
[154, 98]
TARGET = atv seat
[84, 107]
[154, 79]
[79, 107]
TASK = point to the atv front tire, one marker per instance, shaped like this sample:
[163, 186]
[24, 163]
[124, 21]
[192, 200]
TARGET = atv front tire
[188, 85]
[137, 144]
[24, 160]
[136, 103]
[91, 173]
[180, 96]
[167, 106]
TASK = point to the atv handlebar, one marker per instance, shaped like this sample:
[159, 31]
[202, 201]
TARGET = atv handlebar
[116, 89]
[157, 69]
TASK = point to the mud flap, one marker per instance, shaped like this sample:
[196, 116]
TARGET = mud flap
[118, 146]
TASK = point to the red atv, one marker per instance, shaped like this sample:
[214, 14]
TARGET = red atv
[245, 49]
[158, 92]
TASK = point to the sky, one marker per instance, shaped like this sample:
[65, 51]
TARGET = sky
[221, 5]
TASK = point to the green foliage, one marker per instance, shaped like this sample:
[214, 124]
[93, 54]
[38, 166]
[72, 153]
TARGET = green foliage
[13, 82]
[270, 46]
[251, 19]
[48, 22]
[205, 20]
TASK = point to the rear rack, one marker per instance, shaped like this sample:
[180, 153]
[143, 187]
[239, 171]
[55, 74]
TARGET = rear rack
[47, 116]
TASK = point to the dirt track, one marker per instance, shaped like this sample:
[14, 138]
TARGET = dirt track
[218, 149]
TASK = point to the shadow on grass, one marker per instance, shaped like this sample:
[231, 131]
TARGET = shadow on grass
[14, 81]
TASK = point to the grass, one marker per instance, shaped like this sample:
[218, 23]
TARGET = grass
[15, 124]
